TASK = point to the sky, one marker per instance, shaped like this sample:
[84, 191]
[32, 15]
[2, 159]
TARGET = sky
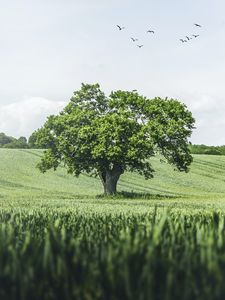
[49, 47]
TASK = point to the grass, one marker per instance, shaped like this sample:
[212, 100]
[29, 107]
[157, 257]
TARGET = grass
[157, 239]
[56, 254]
[22, 185]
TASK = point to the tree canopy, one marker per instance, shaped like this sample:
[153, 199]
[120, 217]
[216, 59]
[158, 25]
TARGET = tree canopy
[107, 136]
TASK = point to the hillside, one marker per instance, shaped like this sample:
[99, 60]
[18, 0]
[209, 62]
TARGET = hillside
[20, 179]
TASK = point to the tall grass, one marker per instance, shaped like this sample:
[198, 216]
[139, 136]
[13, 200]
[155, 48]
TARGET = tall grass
[73, 255]
[59, 241]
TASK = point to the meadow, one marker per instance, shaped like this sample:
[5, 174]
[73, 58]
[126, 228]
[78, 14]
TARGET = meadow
[158, 239]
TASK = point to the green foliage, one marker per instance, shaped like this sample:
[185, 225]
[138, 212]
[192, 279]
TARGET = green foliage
[4, 139]
[32, 142]
[210, 150]
[107, 136]
[11, 142]
[20, 143]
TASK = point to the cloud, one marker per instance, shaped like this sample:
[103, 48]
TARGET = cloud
[208, 111]
[23, 117]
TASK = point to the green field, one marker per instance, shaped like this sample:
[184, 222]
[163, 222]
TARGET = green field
[22, 183]
[159, 239]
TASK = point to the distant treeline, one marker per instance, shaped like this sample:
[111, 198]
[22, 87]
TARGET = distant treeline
[211, 150]
[11, 142]
[14, 143]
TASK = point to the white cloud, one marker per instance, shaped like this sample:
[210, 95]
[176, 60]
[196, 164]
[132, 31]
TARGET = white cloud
[209, 113]
[23, 117]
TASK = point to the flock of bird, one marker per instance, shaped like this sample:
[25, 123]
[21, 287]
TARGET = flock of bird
[184, 40]
[188, 38]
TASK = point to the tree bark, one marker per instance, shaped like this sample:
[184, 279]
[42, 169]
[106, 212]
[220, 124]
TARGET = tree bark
[109, 180]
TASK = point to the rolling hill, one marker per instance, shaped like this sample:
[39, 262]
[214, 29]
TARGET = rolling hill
[20, 179]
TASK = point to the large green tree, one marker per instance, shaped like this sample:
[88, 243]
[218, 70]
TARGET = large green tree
[107, 136]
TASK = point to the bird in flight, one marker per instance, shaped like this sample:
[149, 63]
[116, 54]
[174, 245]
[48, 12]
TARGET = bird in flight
[195, 35]
[197, 25]
[188, 38]
[183, 41]
[140, 46]
[133, 39]
[151, 31]
[120, 28]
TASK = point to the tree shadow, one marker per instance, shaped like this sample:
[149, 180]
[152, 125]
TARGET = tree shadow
[135, 195]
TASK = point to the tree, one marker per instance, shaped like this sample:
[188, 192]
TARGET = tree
[32, 141]
[20, 143]
[4, 139]
[107, 136]
[209, 150]
[11, 142]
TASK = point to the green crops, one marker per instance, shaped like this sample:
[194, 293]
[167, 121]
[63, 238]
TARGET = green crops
[162, 254]
[59, 241]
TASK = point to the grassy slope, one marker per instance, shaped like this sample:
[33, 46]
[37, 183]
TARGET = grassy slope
[21, 182]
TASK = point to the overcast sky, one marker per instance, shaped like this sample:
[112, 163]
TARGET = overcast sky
[48, 47]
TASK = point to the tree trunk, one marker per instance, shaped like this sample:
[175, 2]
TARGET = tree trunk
[109, 180]
[110, 184]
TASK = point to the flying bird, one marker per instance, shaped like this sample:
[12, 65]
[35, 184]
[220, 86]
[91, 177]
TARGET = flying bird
[133, 39]
[195, 35]
[151, 31]
[120, 28]
[140, 46]
[197, 25]
[188, 38]
[183, 41]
